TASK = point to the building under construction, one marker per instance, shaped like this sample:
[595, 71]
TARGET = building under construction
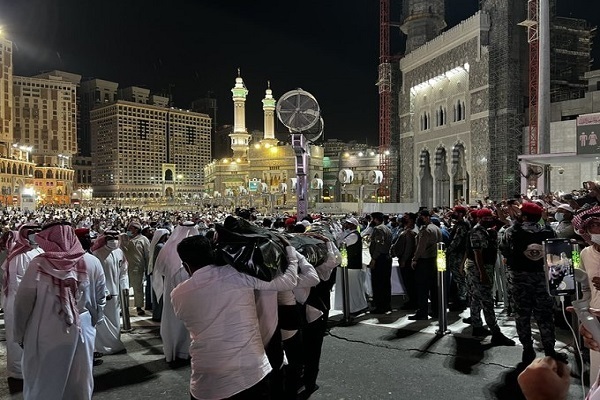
[462, 98]
[571, 46]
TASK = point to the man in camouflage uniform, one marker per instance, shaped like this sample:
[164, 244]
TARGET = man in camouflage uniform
[523, 249]
[455, 258]
[482, 250]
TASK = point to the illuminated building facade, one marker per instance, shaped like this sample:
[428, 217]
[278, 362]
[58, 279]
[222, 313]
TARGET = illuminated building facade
[146, 152]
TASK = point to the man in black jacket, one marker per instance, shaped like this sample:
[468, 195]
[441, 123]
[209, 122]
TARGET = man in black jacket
[381, 265]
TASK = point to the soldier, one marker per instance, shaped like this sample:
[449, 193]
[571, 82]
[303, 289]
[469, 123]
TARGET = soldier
[482, 250]
[522, 247]
[456, 257]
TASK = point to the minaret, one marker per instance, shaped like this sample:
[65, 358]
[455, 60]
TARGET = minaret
[423, 20]
[240, 139]
[269, 112]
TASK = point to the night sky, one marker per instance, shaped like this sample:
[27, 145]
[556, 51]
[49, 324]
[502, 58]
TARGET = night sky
[327, 47]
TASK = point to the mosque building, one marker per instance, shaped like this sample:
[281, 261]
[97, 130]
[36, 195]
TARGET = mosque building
[462, 96]
[260, 173]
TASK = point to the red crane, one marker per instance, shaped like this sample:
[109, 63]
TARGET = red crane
[385, 93]
[531, 23]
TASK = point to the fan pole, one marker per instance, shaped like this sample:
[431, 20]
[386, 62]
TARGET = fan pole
[300, 147]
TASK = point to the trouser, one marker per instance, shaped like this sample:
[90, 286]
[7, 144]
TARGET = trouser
[148, 293]
[426, 279]
[458, 280]
[312, 335]
[501, 283]
[293, 370]
[156, 307]
[260, 391]
[381, 279]
[530, 296]
[410, 284]
[274, 351]
[136, 281]
[481, 296]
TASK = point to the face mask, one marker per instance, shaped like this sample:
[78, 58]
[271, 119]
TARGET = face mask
[112, 244]
[129, 234]
[595, 238]
[31, 238]
[559, 217]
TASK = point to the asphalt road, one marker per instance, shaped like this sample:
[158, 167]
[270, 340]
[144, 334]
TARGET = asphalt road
[375, 358]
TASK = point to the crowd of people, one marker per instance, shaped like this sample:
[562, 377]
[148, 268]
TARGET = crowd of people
[67, 273]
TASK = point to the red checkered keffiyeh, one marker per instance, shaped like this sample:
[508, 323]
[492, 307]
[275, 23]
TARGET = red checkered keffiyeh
[582, 219]
[65, 265]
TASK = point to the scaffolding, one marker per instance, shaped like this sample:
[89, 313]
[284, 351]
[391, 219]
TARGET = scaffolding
[506, 98]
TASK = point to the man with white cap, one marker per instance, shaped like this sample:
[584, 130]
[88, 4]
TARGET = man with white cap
[564, 217]
[137, 252]
[353, 241]
[108, 333]
[168, 273]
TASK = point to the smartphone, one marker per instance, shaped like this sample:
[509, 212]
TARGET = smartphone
[559, 258]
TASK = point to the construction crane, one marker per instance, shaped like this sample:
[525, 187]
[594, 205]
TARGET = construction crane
[384, 83]
[531, 23]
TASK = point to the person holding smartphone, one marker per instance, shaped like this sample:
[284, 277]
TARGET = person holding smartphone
[587, 224]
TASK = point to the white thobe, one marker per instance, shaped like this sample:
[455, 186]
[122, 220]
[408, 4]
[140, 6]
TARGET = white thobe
[175, 337]
[57, 359]
[590, 263]
[16, 269]
[108, 333]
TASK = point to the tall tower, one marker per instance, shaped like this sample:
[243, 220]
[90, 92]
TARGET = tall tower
[269, 112]
[6, 96]
[423, 20]
[240, 139]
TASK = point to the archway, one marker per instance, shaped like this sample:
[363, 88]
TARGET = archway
[426, 180]
[460, 173]
[442, 178]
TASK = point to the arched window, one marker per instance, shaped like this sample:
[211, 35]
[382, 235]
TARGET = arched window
[459, 112]
[464, 113]
[454, 115]
[38, 174]
[169, 175]
[49, 174]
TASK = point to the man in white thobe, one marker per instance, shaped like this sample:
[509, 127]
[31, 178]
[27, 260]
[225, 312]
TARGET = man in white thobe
[20, 252]
[168, 273]
[114, 264]
[59, 301]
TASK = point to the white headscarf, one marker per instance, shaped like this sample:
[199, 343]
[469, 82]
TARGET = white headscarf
[158, 234]
[168, 260]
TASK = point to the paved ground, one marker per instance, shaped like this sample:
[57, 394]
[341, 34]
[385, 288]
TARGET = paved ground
[376, 358]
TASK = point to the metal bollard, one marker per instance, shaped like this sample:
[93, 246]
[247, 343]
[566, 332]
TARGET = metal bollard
[576, 260]
[345, 284]
[125, 310]
[442, 309]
